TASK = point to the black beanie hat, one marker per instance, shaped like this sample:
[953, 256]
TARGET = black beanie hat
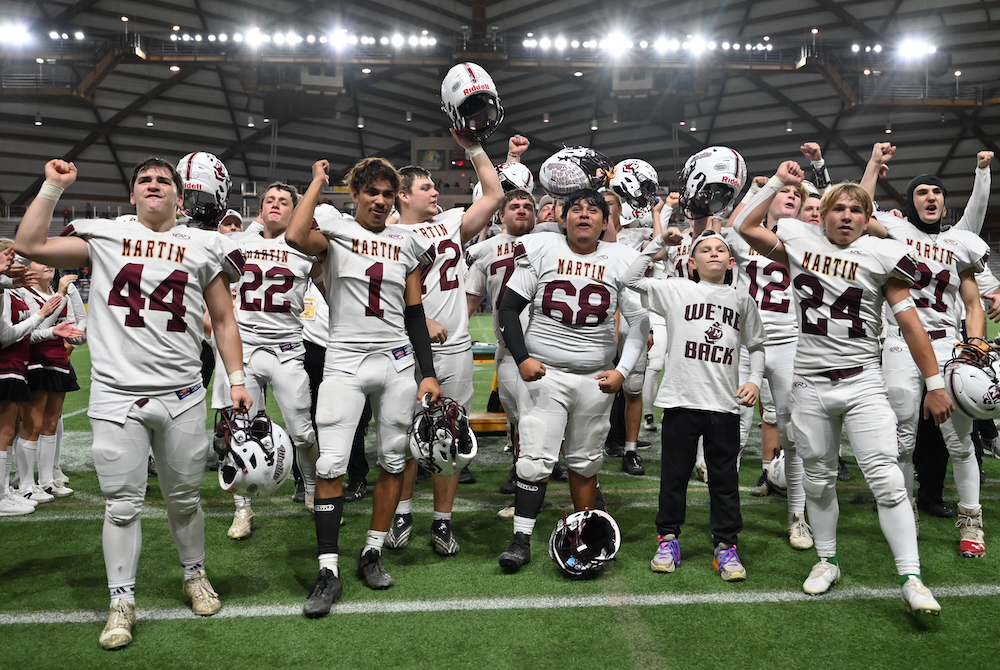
[911, 212]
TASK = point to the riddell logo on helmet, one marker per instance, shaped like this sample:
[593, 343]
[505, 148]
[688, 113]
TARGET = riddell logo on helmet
[729, 180]
[279, 466]
[473, 89]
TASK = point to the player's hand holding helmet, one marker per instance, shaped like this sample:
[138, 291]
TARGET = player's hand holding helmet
[635, 181]
[711, 180]
[972, 379]
[470, 99]
[573, 168]
[440, 438]
[583, 542]
[255, 454]
[206, 187]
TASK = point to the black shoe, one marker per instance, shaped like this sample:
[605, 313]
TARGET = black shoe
[632, 464]
[466, 476]
[601, 504]
[370, 571]
[421, 475]
[650, 423]
[151, 466]
[558, 473]
[843, 474]
[614, 450]
[325, 592]
[761, 488]
[508, 487]
[442, 539]
[643, 444]
[212, 464]
[355, 490]
[518, 554]
[399, 532]
[935, 508]
[300, 491]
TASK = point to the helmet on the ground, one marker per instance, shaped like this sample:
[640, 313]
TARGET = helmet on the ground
[776, 474]
[255, 454]
[711, 180]
[635, 181]
[972, 379]
[573, 168]
[206, 187]
[470, 99]
[441, 439]
[583, 542]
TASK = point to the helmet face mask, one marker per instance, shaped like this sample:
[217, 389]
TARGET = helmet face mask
[206, 187]
[972, 379]
[711, 180]
[635, 181]
[470, 99]
[583, 542]
[440, 438]
[255, 455]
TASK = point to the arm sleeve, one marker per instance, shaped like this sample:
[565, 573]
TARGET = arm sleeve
[821, 176]
[79, 314]
[756, 365]
[635, 342]
[416, 329]
[509, 317]
[975, 209]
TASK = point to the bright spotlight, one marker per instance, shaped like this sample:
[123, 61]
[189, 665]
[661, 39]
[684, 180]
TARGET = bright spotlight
[545, 42]
[397, 40]
[560, 43]
[661, 45]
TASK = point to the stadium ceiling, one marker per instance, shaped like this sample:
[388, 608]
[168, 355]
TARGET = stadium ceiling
[661, 79]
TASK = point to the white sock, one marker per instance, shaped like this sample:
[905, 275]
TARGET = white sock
[793, 479]
[4, 473]
[193, 566]
[329, 561]
[442, 516]
[630, 446]
[46, 459]
[523, 524]
[374, 540]
[900, 531]
[699, 458]
[405, 506]
[122, 545]
[766, 465]
[906, 466]
[57, 470]
[823, 516]
[649, 385]
[966, 471]
[27, 454]
[123, 590]
[241, 501]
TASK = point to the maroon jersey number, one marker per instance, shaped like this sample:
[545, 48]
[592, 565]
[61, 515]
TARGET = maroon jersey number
[847, 308]
[563, 311]
[284, 278]
[168, 296]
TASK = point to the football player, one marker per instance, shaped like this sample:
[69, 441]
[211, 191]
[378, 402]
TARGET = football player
[840, 280]
[151, 284]
[442, 286]
[378, 330]
[573, 283]
[947, 263]
[270, 296]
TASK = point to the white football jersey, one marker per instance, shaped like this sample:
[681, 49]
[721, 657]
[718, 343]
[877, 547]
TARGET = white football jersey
[838, 294]
[767, 282]
[573, 300]
[365, 277]
[634, 238]
[940, 259]
[147, 302]
[706, 326]
[491, 265]
[442, 283]
[677, 257]
[270, 294]
[315, 316]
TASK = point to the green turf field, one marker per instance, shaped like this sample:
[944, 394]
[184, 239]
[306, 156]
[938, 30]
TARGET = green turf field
[463, 612]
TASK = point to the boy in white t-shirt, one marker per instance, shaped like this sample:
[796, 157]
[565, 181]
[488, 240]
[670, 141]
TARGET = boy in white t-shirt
[707, 321]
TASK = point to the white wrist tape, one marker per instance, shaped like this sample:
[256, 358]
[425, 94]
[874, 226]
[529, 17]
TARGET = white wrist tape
[903, 305]
[935, 383]
[238, 378]
[775, 184]
[50, 191]
[474, 151]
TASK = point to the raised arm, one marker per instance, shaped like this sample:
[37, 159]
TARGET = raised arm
[481, 211]
[300, 234]
[33, 239]
[763, 240]
[975, 208]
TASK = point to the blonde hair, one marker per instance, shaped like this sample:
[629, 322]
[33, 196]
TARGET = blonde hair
[852, 191]
[6, 243]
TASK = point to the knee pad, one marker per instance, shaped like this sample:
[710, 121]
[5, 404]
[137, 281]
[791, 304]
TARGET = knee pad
[583, 466]
[887, 484]
[183, 503]
[122, 512]
[330, 467]
[633, 383]
[533, 469]
[392, 457]
[818, 488]
[770, 416]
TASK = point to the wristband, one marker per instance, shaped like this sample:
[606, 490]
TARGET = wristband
[50, 191]
[903, 305]
[775, 184]
[238, 378]
[474, 151]
[934, 383]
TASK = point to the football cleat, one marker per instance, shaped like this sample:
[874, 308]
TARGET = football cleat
[442, 539]
[310, 500]
[632, 464]
[843, 474]
[355, 491]
[117, 632]
[204, 599]
[508, 486]
[614, 450]
[518, 554]
[918, 598]
[326, 591]
[799, 532]
[507, 512]
[399, 532]
[58, 490]
[300, 492]
[371, 572]
[702, 470]
[668, 554]
[242, 523]
[728, 563]
[650, 423]
[36, 493]
[972, 541]
[822, 576]
[14, 505]
[761, 489]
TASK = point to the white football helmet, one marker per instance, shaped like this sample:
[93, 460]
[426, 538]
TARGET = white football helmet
[573, 168]
[635, 181]
[206, 187]
[441, 439]
[972, 378]
[512, 176]
[711, 180]
[776, 475]
[470, 99]
[255, 455]
[583, 542]
[811, 189]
